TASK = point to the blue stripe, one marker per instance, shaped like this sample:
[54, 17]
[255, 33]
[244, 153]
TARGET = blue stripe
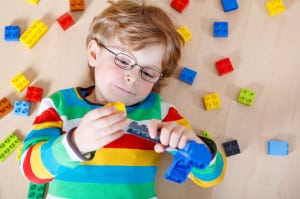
[49, 160]
[110, 174]
[206, 175]
[51, 132]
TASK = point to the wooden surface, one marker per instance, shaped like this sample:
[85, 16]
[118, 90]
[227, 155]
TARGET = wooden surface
[264, 50]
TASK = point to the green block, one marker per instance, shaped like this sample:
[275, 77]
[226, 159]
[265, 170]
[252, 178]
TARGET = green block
[206, 134]
[8, 145]
[246, 96]
[36, 191]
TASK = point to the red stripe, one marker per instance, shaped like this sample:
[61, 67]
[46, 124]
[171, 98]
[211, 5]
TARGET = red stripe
[131, 142]
[172, 115]
[49, 115]
[28, 171]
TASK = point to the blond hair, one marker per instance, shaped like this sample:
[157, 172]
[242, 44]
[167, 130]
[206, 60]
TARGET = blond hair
[136, 25]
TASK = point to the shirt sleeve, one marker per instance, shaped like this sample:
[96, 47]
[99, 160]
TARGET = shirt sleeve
[215, 172]
[45, 151]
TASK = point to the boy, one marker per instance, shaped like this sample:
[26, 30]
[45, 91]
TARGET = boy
[79, 146]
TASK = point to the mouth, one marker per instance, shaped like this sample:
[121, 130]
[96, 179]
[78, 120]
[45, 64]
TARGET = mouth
[125, 91]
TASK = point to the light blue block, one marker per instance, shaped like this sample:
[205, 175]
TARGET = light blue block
[278, 147]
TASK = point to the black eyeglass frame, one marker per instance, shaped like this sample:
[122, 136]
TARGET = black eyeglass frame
[159, 77]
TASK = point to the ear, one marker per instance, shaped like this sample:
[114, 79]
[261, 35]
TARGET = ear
[93, 52]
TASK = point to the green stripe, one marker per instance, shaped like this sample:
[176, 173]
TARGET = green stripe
[112, 191]
[141, 113]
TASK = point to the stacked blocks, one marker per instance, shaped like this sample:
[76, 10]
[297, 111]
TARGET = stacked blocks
[275, 7]
[22, 108]
[224, 66]
[229, 5]
[277, 147]
[5, 107]
[34, 94]
[35, 2]
[179, 5]
[246, 96]
[185, 33]
[36, 191]
[34, 33]
[212, 101]
[65, 21]
[187, 75]
[11, 33]
[8, 145]
[20, 82]
[231, 148]
[76, 5]
[221, 29]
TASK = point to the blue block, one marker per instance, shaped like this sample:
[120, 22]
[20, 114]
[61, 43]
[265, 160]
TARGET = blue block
[11, 33]
[22, 108]
[187, 75]
[278, 147]
[220, 29]
[230, 5]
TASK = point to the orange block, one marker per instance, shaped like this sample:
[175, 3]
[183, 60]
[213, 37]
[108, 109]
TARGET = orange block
[5, 107]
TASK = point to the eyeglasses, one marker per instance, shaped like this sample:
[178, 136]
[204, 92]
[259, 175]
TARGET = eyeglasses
[126, 62]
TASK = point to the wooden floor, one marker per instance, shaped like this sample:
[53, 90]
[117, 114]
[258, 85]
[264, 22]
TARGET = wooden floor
[265, 53]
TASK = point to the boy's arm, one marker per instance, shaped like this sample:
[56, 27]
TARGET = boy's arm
[45, 151]
[214, 173]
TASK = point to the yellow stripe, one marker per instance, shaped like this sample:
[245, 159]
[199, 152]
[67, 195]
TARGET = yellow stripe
[185, 123]
[36, 163]
[207, 184]
[128, 157]
[57, 124]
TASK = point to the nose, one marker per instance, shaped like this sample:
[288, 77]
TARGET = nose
[132, 76]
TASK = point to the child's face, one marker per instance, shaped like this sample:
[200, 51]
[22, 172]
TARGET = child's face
[113, 83]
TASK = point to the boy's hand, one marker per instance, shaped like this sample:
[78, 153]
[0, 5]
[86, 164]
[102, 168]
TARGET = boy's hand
[171, 135]
[98, 128]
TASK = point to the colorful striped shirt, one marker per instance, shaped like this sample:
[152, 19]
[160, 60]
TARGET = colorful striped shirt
[125, 168]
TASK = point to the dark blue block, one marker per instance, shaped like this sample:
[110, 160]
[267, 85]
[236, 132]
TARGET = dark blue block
[220, 29]
[187, 75]
[11, 33]
[231, 148]
[229, 5]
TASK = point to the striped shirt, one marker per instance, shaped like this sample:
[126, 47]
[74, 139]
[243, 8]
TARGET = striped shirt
[125, 168]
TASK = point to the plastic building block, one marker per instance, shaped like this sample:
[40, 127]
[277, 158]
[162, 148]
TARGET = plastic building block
[212, 101]
[278, 147]
[76, 5]
[8, 145]
[22, 108]
[206, 135]
[35, 2]
[36, 191]
[229, 5]
[34, 94]
[185, 33]
[34, 33]
[119, 105]
[179, 5]
[65, 21]
[224, 66]
[275, 7]
[20, 82]
[192, 155]
[221, 29]
[11, 33]
[231, 148]
[187, 75]
[5, 107]
[246, 96]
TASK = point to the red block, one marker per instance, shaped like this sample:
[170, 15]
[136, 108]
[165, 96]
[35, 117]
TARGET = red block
[65, 21]
[34, 94]
[224, 66]
[179, 5]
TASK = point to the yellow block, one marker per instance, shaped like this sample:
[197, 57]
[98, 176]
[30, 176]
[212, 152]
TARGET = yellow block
[34, 33]
[119, 105]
